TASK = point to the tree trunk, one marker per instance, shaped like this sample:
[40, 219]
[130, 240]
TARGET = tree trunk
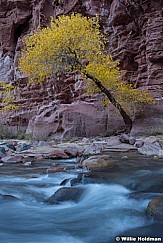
[126, 118]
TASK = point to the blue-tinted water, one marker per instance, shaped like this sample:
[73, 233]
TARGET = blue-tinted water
[113, 204]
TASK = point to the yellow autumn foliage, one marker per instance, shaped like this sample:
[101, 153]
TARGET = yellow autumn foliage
[75, 44]
[55, 49]
[7, 97]
[109, 74]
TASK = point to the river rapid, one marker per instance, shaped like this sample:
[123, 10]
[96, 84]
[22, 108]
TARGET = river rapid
[113, 204]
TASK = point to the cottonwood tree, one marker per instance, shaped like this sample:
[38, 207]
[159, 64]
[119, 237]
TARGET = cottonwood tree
[75, 44]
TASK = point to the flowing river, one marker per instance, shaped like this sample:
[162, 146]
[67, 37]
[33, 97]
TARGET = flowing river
[113, 204]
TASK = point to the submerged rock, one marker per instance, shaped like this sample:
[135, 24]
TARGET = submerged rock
[155, 208]
[66, 194]
[8, 198]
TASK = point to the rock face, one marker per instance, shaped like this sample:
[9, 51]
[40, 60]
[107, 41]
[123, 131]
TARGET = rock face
[135, 38]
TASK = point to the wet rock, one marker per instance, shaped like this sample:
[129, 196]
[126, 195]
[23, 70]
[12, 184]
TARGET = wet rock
[155, 208]
[98, 162]
[57, 154]
[10, 146]
[64, 182]
[77, 180]
[2, 150]
[12, 159]
[94, 177]
[66, 194]
[23, 147]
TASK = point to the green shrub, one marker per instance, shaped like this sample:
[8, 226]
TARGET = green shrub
[152, 132]
[5, 132]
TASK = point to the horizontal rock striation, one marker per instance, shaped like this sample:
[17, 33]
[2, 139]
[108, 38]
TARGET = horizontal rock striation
[134, 30]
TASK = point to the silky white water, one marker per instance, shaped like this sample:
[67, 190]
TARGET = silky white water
[112, 207]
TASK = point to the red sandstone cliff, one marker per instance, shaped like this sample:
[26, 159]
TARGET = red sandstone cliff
[135, 38]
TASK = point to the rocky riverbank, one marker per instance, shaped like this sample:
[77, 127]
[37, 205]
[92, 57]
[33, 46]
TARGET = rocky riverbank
[29, 151]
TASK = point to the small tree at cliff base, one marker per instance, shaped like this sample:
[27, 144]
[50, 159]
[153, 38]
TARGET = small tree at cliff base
[7, 98]
[75, 44]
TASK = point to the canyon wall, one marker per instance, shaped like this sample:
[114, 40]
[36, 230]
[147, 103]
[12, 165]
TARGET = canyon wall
[135, 36]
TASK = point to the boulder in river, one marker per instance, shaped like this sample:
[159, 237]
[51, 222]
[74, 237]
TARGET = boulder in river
[66, 194]
[155, 208]
[98, 162]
